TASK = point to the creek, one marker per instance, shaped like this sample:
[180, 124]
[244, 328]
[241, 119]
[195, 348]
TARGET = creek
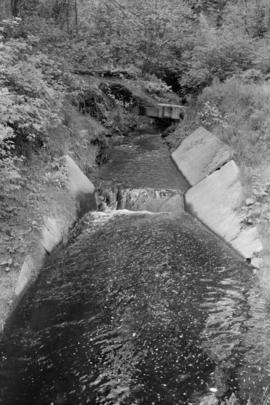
[142, 306]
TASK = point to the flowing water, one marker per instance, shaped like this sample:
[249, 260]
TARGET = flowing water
[140, 307]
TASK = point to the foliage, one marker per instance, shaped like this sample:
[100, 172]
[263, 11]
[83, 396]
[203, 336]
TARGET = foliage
[210, 115]
[239, 112]
[28, 105]
[216, 54]
[10, 177]
[157, 87]
[192, 42]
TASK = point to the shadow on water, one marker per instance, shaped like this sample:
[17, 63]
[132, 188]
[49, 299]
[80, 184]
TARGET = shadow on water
[138, 308]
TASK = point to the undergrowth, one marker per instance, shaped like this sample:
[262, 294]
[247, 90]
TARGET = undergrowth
[238, 112]
[46, 109]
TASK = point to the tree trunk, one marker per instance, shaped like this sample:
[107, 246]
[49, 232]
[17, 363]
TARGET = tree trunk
[15, 7]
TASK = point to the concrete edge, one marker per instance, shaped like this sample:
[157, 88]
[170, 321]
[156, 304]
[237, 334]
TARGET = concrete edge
[190, 210]
[53, 233]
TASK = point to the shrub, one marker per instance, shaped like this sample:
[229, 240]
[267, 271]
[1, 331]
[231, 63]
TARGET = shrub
[28, 104]
[239, 113]
[215, 54]
[156, 87]
[10, 177]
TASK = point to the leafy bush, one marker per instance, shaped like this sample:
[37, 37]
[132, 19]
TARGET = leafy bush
[210, 115]
[28, 103]
[156, 87]
[216, 55]
[10, 177]
[239, 112]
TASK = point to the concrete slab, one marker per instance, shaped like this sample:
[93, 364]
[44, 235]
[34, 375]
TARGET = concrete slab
[29, 270]
[215, 201]
[81, 188]
[200, 154]
[51, 233]
[78, 182]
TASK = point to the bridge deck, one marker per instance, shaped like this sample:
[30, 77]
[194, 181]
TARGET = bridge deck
[172, 111]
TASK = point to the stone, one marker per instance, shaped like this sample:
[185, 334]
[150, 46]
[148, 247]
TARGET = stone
[200, 154]
[257, 262]
[250, 201]
[216, 201]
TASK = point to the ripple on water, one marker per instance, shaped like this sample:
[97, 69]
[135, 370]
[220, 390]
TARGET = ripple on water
[142, 161]
[254, 371]
[130, 312]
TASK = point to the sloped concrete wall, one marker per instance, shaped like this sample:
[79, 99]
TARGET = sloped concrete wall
[55, 230]
[200, 154]
[216, 201]
[216, 195]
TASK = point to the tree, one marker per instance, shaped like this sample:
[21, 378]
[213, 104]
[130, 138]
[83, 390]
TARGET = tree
[15, 7]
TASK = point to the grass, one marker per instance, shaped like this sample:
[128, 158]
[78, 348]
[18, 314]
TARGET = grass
[239, 113]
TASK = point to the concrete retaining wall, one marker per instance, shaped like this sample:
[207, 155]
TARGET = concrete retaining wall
[200, 154]
[217, 193]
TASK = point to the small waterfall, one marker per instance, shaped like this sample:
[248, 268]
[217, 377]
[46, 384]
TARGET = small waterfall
[141, 199]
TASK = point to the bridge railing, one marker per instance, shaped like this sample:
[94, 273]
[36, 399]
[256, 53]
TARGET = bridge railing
[172, 111]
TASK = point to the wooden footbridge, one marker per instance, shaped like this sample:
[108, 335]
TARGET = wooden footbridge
[170, 111]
